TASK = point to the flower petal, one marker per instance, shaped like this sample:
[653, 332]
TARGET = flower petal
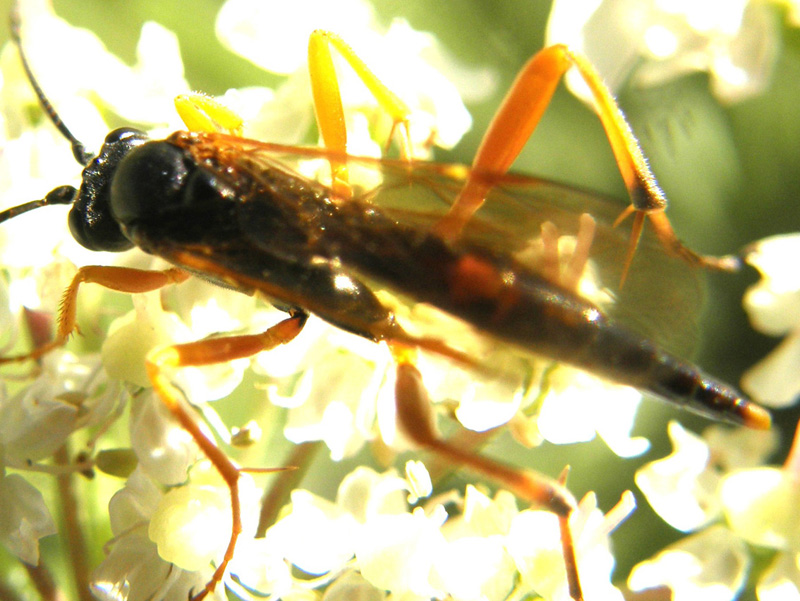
[313, 518]
[781, 581]
[24, 518]
[740, 448]
[397, 552]
[775, 380]
[711, 565]
[681, 488]
[761, 506]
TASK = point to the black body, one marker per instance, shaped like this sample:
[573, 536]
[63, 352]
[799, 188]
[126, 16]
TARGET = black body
[216, 206]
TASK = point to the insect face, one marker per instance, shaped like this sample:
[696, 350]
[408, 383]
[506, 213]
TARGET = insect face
[91, 219]
[131, 181]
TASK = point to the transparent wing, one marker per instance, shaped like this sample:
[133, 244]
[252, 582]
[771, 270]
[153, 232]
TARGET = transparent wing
[661, 298]
[662, 295]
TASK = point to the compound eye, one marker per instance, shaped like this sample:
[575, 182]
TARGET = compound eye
[148, 181]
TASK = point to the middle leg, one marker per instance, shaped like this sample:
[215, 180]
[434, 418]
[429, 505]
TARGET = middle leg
[209, 352]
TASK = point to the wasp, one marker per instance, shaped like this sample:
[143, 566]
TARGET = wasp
[477, 244]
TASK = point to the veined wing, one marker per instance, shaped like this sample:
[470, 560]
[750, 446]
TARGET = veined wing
[661, 297]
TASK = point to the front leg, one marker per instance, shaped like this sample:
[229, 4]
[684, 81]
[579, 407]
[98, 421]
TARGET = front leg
[121, 279]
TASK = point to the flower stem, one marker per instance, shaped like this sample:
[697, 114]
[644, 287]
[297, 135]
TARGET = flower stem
[76, 546]
[43, 581]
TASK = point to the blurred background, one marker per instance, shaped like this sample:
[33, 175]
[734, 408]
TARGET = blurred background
[730, 171]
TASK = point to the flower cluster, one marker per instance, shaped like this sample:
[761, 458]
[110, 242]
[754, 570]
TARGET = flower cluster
[716, 487]
[773, 306]
[171, 520]
[168, 509]
[368, 542]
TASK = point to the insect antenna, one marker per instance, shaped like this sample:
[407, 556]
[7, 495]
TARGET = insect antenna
[63, 195]
[78, 149]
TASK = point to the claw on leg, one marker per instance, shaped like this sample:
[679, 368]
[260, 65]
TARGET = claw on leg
[121, 279]
[513, 125]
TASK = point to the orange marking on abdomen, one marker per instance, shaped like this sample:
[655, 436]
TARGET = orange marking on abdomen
[473, 279]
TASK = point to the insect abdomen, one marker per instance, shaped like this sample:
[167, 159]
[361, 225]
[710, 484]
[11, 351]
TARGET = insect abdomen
[524, 309]
[528, 311]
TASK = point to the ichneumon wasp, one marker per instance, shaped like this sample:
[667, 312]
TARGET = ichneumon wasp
[478, 245]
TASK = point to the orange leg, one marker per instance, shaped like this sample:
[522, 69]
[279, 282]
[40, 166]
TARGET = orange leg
[415, 416]
[121, 279]
[514, 123]
[204, 352]
[208, 352]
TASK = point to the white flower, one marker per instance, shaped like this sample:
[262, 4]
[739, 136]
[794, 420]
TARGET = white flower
[352, 585]
[369, 527]
[157, 77]
[134, 335]
[331, 527]
[35, 422]
[275, 36]
[534, 542]
[761, 507]
[36, 158]
[398, 552]
[161, 445]
[335, 526]
[654, 41]
[192, 523]
[483, 550]
[260, 566]
[24, 519]
[781, 580]
[476, 567]
[682, 488]
[335, 398]
[577, 406]
[476, 562]
[712, 564]
[165, 544]
[773, 305]
[163, 449]
[133, 569]
[704, 480]
[70, 394]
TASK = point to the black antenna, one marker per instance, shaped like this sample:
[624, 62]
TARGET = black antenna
[63, 195]
[78, 149]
